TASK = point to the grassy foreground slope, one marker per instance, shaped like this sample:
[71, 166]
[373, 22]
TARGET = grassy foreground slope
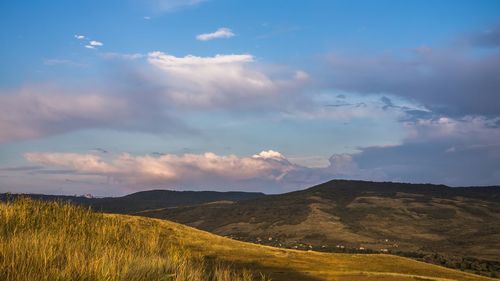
[57, 241]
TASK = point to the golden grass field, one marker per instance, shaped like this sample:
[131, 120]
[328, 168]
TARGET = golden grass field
[58, 241]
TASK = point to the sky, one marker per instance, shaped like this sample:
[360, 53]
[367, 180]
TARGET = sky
[112, 97]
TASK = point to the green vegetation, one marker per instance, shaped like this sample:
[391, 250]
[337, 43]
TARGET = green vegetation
[58, 241]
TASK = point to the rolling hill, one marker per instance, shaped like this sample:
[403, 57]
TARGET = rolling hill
[50, 241]
[457, 227]
[453, 227]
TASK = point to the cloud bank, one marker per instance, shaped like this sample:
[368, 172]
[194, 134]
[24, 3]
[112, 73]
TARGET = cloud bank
[444, 150]
[449, 82]
[37, 111]
[169, 170]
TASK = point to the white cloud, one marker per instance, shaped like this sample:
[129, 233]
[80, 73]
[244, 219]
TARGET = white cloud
[168, 61]
[221, 80]
[270, 154]
[222, 32]
[91, 44]
[95, 43]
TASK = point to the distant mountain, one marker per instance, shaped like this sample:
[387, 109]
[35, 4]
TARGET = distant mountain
[155, 199]
[419, 220]
[146, 200]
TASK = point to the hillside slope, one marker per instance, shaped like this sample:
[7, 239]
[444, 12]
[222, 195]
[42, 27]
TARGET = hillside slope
[360, 215]
[36, 244]
[287, 264]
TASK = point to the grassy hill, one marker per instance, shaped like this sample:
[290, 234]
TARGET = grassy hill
[59, 241]
[460, 224]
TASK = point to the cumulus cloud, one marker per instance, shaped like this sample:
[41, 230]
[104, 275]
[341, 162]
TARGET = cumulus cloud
[221, 80]
[222, 32]
[270, 154]
[95, 43]
[268, 171]
[192, 170]
[90, 44]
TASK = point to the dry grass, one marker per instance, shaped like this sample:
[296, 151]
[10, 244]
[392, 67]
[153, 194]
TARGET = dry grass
[295, 265]
[57, 241]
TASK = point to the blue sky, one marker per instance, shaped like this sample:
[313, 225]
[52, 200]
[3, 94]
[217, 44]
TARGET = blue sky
[110, 97]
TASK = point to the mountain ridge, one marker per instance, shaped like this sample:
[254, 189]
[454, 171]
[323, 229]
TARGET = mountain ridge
[143, 200]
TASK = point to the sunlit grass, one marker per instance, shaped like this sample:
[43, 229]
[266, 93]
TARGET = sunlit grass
[58, 241]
